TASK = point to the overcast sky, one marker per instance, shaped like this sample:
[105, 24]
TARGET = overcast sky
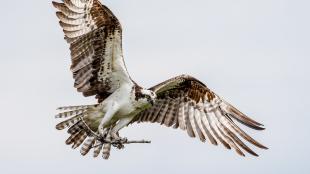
[255, 54]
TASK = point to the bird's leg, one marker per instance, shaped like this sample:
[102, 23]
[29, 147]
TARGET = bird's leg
[112, 108]
[118, 141]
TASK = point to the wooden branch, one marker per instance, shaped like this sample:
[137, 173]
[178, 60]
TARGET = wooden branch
[114, 143]
[123, 142]
[141, 141]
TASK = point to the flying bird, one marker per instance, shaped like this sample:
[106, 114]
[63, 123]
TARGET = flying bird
[95, 38]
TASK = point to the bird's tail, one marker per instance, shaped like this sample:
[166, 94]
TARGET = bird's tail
[82, 130]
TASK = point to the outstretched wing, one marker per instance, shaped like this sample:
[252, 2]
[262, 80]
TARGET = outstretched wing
[186, 103]
[95, 38]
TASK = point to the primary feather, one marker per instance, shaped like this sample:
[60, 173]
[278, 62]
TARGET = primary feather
[200, 112]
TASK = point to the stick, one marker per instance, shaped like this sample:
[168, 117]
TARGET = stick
[141, 141]
[124, 142]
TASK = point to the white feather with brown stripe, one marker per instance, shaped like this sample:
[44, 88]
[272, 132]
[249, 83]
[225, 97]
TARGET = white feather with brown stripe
[201, 113]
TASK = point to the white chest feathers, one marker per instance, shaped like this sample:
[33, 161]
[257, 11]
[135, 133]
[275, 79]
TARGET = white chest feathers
[126, 100]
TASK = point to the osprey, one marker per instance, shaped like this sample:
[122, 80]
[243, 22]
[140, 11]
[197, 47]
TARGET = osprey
[95, 38]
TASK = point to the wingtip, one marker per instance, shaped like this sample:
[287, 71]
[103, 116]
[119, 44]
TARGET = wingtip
[54, 3]
[254, 154]
[241, 154]
[57, 116]
[259, 128]
[59, 127]
[264, 147]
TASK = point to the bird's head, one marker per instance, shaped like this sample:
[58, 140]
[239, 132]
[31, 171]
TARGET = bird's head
[145, 96]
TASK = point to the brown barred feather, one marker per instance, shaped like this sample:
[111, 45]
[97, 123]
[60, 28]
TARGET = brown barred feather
[189, 127]
[148, 115]
[95, 36]
[66, 11]
[97, 149]
[181, 113]
[72, 7]
[71, 108]
[70, 113]
[79, 3]
[190, 105]
[240, 117]
[175, 113]
[245, 135]
[69, 27]
[87, 146]
[79, 129]
[168, 118]
[207, 128]
[67, 20]
[82, 74]
[156, 113]
[106, 151]
[191, 116]
[215, 132]
[76, 127]
[68, 123]
[231, 143]
[162, 113]
[198, 125]
[79, 140]
[70, 140]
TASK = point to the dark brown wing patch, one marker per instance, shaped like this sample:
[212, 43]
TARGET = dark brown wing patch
[193, 88]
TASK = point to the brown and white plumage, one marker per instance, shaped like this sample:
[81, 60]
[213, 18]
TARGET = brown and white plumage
[186, 103]
[95, 38]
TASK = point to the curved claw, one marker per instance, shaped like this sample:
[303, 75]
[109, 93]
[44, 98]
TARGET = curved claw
[119, 142]
[119, 146]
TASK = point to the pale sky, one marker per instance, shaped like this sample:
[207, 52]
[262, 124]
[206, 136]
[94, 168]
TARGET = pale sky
[255, 54]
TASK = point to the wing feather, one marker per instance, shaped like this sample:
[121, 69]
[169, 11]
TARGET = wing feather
[169, 117]
[181, 115]
[187, 103]
[156, 112]
[215, 130]
[207, 128]
[191, 119]
[73, 7]
[95, 38]
[189, 127]
[198, 125]
[161, 115]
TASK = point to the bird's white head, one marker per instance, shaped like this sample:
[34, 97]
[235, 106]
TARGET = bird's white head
[145, 96]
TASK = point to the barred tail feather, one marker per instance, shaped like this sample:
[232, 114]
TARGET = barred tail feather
[97, 148]
[70, 113]
[80, 133]
[80, 140]
[77, 127]
[68, 123]
[71, 138]
[106, 151]
[87, 146]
